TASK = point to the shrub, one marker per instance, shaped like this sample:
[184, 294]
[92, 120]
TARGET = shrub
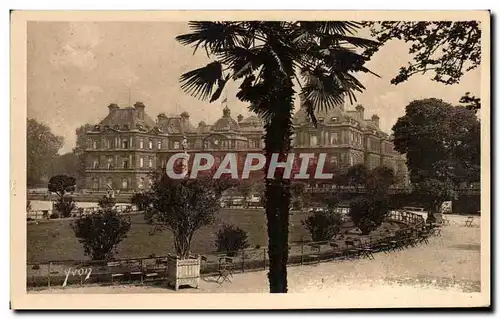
[368, 212]
[107, 202]
[231, 239]
[65, 205]
[54, 216]
[323, 225]
[101, 232]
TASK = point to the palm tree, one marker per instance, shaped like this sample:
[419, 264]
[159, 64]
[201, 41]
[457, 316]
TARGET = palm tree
[267, 57]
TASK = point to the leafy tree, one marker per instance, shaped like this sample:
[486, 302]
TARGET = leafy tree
[323, 225]
[66, 164]
[470, 102]
[380, 179]
[101, 232]
[181, 206]
[41, 150]
[368, 212]
[450, 139]
[79, 152]
[140, 200]
[245, 189]
[357, 175]
[448, 136]
[62, 184]
[230, 239]
[449, 49]
[298, 191]
[268, 56]
[432, 193]
[332, 201]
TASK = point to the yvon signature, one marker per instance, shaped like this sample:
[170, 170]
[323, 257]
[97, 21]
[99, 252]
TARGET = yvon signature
[77, 271]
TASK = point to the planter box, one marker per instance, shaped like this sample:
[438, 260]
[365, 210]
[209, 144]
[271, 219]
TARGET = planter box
[183, 272]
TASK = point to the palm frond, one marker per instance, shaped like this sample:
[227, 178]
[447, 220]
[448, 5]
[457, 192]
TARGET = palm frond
[331, 27]
[214, 36]
[221, 84]
[200, 82]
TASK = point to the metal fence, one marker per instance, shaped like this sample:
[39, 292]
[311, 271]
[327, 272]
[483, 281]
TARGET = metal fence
[68, 272]
[78, 212]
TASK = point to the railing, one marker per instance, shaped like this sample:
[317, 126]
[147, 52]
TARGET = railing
[56, 273]
[78, 212]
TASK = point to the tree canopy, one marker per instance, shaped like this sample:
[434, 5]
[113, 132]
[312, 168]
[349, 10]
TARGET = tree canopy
[41, 150]
[181, 206]
[448, 136]
[60, 184]
[448, 49]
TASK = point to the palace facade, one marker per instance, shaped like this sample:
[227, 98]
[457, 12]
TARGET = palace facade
[127, 144]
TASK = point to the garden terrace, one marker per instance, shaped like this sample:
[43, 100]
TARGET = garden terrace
[385, 238]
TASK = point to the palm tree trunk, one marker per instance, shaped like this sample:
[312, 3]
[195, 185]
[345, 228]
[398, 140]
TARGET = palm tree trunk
[277, 140]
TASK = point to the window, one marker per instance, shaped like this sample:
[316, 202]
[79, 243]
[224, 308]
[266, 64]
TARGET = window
[176, 145]
[94, 145]
[125, 144]
[141, 143]
[159, 144]
[334, 119]
[110, 162]
[150, 144]
[334, 160]
[313, 140]
[321, 119]
[125, 163]
[150, 162]
[334, 138]
[141, 162]
[95, 183]
[95, 164]
[124, 183]
[352, 136]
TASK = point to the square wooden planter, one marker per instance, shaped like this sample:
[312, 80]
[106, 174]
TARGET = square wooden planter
[182, 272]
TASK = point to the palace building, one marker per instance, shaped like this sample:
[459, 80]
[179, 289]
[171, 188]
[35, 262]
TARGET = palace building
[127, 144]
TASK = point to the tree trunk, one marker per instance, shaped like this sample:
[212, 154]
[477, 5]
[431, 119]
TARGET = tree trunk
[277, 140]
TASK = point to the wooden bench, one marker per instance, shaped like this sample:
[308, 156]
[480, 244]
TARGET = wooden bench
[115, 270]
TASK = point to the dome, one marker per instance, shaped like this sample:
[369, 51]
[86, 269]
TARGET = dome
[226, 122]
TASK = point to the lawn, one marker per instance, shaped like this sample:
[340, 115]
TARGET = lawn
[54, 240]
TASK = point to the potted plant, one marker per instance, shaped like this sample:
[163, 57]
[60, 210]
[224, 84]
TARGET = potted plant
[182, 207]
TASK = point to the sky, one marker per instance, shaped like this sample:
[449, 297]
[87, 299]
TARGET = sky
[75, 70]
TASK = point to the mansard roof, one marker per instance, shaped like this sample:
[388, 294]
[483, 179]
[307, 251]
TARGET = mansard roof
[126, 118]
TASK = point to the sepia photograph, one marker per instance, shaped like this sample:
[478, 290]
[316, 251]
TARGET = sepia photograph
[257, 160]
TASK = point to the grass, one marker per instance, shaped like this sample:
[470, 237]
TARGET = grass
[55, 240]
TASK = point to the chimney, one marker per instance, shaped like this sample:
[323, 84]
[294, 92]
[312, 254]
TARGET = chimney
[240, 118]
[361, 110]
[160, 118]
[113, 107]
[376, 120]
[139, 107]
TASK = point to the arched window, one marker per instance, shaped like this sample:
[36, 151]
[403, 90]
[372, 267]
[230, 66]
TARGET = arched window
[124, 183]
